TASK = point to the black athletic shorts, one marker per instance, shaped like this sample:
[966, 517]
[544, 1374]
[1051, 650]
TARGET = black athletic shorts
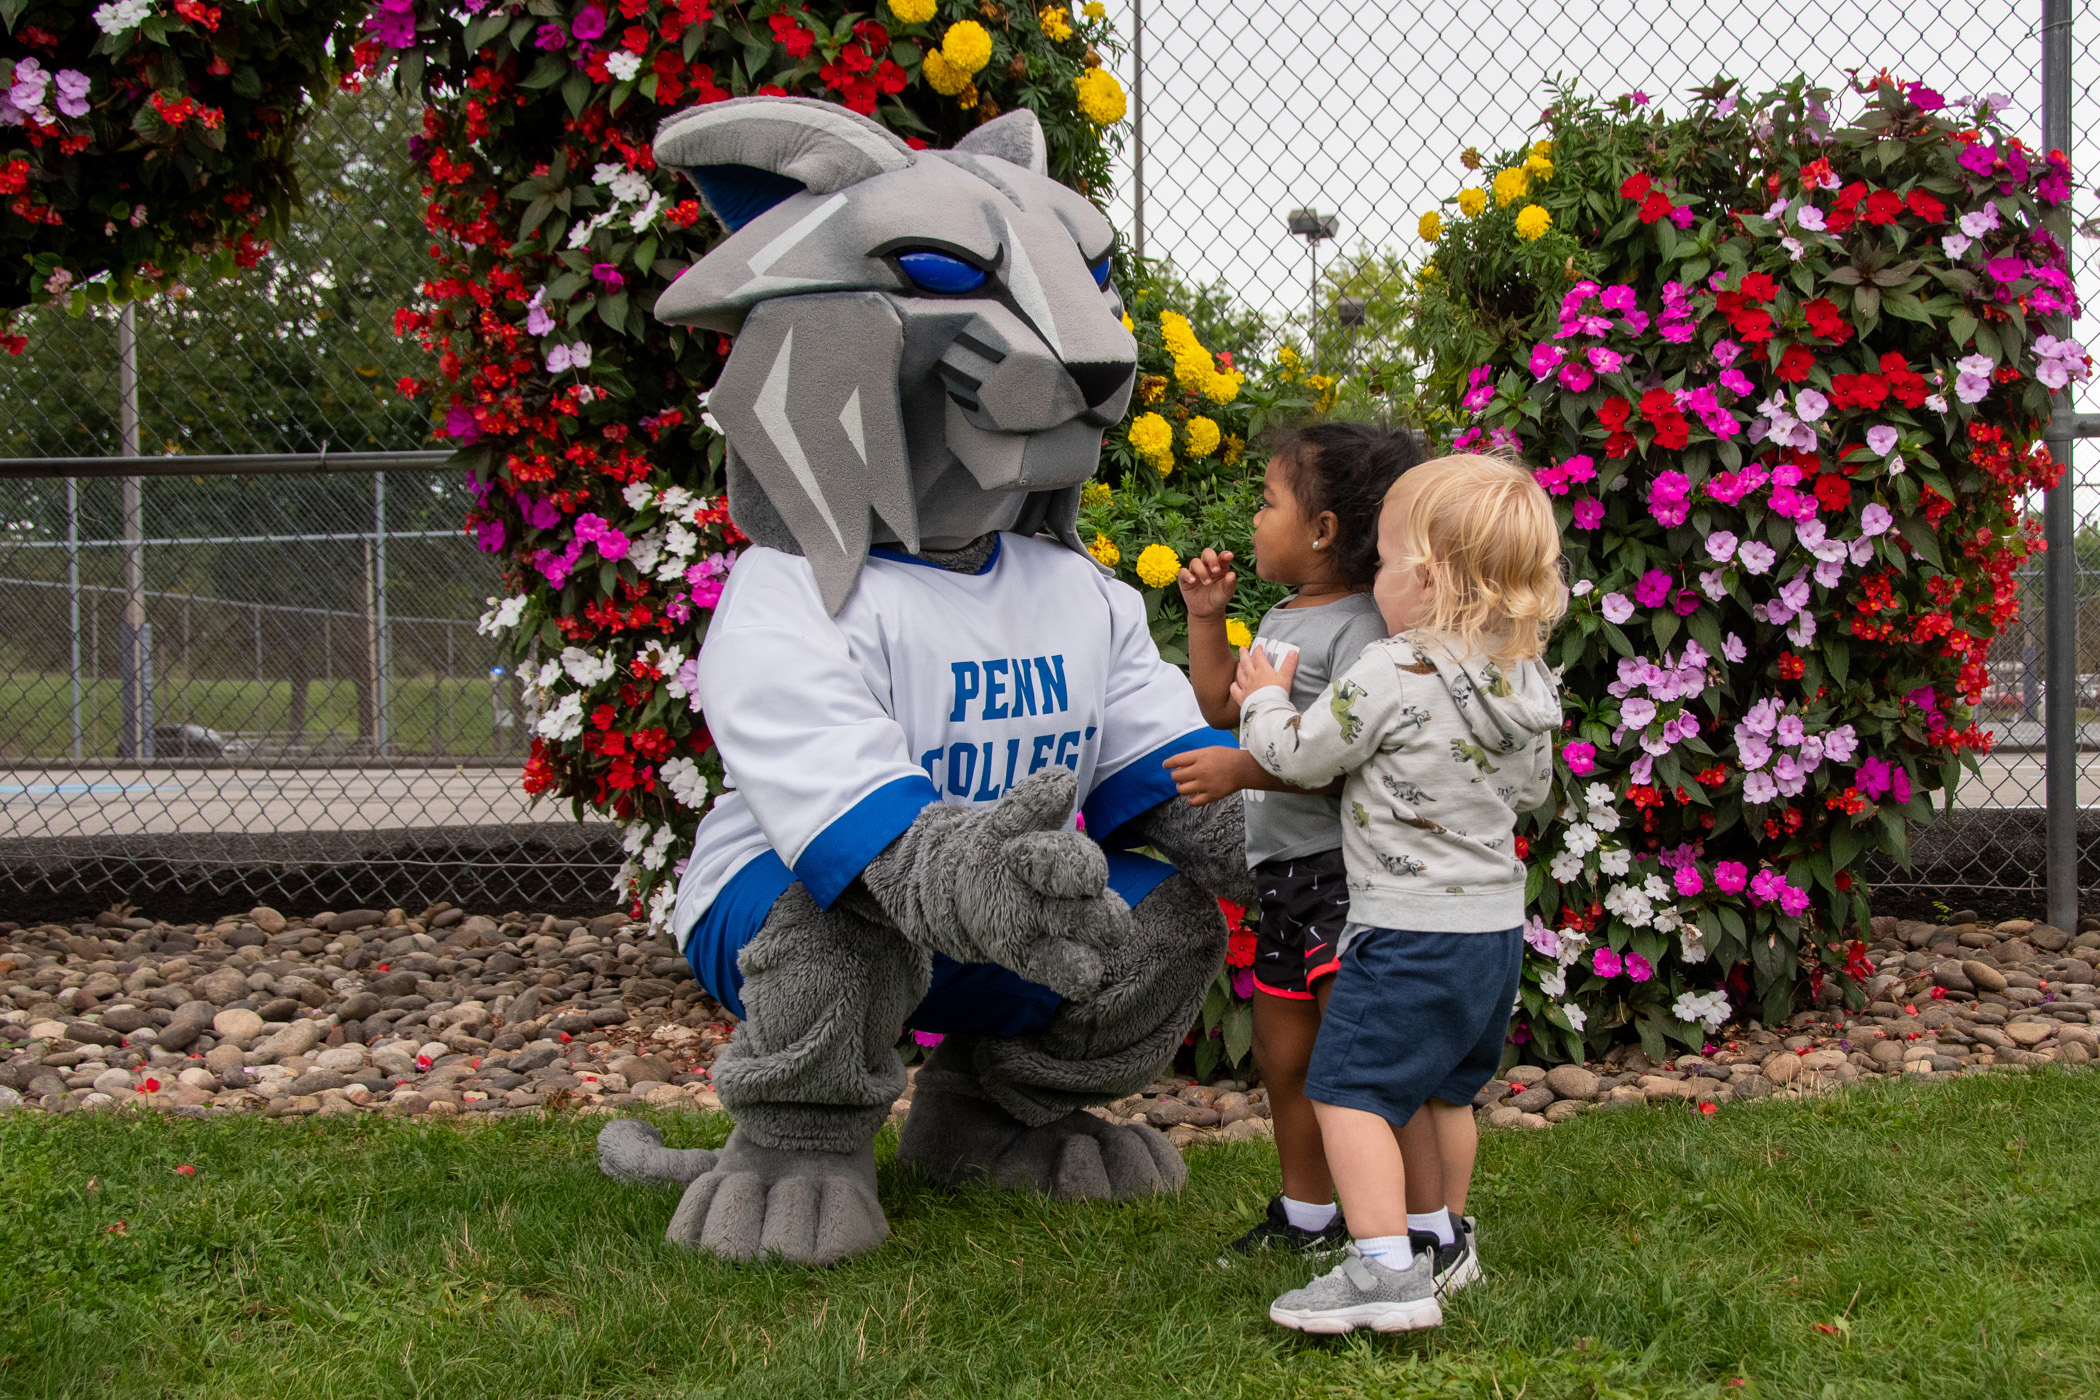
[1304, 903]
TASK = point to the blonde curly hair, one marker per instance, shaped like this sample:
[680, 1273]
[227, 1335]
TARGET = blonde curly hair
[1482, 529]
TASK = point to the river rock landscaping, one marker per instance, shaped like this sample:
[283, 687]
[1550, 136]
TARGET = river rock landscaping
[447, 1013]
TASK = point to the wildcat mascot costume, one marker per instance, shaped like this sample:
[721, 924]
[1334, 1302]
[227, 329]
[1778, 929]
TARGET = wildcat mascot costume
[917, 678]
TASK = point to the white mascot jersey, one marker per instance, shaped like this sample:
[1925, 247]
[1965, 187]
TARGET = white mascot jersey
[929, 686]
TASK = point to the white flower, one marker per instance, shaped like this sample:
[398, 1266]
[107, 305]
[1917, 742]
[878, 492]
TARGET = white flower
[687, 783]
[1604, 816]
[1958, 244]
[588, 229]
[1709, 1009]
[646, 215]
[1565, 867]
[639, 495]
[587, 669]
[1555, 983]
[623, 65]
[1793, 248]
[1597, 795]
[546, 676]
[503, 616]
[123, 15]
[644, 552]
[1615, 861]
[1938, 404]
[1579, 838]
[1631, 905]
[676, 502]
[1582, 586]
[1655, 887]
[565, 721]
[1576, 1016]
[662, 906]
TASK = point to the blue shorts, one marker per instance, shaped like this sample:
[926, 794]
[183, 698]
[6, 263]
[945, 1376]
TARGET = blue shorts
[963, 998]
[1415, 1016]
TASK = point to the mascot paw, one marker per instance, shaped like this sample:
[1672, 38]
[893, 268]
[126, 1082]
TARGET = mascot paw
[801, 1207]
[633, 1151]
[961, 1139]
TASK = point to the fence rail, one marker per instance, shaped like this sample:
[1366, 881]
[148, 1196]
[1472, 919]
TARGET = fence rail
[306, 599]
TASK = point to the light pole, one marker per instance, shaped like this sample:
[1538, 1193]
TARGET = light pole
[1312, 226]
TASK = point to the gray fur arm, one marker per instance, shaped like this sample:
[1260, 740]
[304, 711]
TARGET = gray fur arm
[1011, 884]
[1208, 843]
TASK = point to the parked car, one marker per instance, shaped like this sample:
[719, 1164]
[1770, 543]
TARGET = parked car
[195, 741]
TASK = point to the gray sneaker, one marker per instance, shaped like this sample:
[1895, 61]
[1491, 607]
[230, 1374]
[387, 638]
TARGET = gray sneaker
[1362, 1292]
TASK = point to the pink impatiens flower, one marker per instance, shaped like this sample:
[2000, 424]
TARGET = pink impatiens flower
[1605, 963]
[1580, 757]
[1730, 876]
[1588, 512]
[1689, 881]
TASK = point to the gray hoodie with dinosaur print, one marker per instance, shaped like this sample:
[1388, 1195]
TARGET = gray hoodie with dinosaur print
[1440, 755]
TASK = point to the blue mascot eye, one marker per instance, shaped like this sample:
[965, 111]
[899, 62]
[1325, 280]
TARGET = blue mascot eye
[1100, 271]
[938, 272]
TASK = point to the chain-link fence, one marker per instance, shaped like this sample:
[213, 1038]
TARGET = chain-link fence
[318, 691]
[268, 685]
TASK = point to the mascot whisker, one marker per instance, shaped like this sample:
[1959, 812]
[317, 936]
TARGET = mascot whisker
[918, 679]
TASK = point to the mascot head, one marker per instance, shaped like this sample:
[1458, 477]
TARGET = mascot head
[927, 343]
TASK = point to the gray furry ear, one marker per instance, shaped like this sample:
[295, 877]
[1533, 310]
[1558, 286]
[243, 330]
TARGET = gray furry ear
[809, 395]
[819, 145]
[1016, 138]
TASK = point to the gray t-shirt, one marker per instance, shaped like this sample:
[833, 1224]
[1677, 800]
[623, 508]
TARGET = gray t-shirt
[1329, 638]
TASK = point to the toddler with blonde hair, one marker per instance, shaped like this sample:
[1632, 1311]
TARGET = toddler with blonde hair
[1442, 733]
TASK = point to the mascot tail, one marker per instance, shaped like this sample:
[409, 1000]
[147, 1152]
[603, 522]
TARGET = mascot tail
[633, 1151]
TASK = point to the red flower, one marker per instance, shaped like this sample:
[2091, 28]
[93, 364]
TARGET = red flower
[1833, 492]
[1613, 412]
[1849, 197]
[1826, 320]
[1759, 286]
[185, 1170]
[1656, 206]
[1907, 385]
[1636, 186]
[1858, 390]
[1239, 950]
[1791, 667]
[1795, 364]
[1926, 207]
[635, 39]
[1883, 206]
[795, 37]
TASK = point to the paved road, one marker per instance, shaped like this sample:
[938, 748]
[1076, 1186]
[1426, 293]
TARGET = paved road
[127, 802]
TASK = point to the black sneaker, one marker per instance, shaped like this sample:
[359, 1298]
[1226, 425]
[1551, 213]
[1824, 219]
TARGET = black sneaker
[1455, 1265]
[1276, 1232]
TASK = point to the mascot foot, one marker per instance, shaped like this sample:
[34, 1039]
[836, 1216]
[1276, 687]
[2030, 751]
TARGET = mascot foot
[959, 1138]
[633, 1151]
[801, 1207]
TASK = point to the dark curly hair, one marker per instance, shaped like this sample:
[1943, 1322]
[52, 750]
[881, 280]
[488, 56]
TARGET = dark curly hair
[1346, 468]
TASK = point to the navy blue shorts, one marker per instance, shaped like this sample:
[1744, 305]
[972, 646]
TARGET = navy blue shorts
[963, 998]
[1413, 1017]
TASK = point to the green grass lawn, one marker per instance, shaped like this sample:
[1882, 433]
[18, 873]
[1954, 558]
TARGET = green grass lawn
[1937, 1240]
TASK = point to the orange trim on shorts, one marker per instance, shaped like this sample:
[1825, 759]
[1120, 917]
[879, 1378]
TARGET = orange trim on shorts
[1326, 969]
[1261, 986]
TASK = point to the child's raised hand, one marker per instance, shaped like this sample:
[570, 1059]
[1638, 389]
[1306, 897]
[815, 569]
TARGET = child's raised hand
[1255, 672]
[1207, 583]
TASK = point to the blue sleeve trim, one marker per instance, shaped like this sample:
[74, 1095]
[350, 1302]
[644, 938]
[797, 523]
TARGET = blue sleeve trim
[734, 919]
[1134, 876]
[1142, 783]
[898, 556]
[843, 849]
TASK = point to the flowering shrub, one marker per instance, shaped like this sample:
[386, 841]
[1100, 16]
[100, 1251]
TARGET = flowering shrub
[140, 144]
[553, 232]
[1785, 380]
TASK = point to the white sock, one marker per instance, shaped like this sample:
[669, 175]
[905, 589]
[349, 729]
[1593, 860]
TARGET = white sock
[1435, 1222]
[1307, 1215]
[1393, 1251]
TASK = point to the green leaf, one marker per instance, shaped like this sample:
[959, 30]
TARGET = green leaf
[1239, 1033]
[1846, 842]
[547, 72]
[576, 92]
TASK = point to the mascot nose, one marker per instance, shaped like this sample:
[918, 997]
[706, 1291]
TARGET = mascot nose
[1101, 380]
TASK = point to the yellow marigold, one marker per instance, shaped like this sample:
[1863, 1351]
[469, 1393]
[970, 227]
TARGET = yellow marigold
[912, 11]
[1542, 148]
[1472, 201]
[942, 76]
[1236, 634]
[1157, 565]
[967, 45]
[1323, 389]
[1234, 447]
[1152, 438]
[1287, 363]
[1128, 324]
[1512, 185]
[1195, 367]
[1104, 549]
[1532, 222]
[1096, 493]
[1151, 388]
[1057, 23]
[1094, 9]
[1427, 275]
[1204, 436]
[1101, 99]
[1539, 166]
[1431, 227]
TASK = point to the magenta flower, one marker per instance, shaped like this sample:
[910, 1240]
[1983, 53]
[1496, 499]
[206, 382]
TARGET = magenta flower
[548, 36]
[589, 23]
[1638, 968]
[1682, 217]
[459, 423]
[1926, 99]
[1689, 881]
[1580, 757]
[1575, 377]
[1480, 388]
[1685, 603]
[1545, 359]
[929, 1039]
[1730, 876]
[1588, 513]
[489, 537]
[1605, 361]
[1605, 963]
[1652, 589]
[608, 274]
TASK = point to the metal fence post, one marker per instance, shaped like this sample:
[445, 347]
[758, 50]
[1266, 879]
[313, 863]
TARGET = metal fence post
[2060, 704]
[136, 738]
[73, 600]
[379, 645]
[1137, 102]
